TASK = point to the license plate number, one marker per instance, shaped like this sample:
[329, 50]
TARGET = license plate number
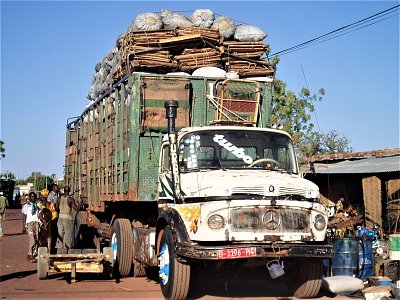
[237, 252]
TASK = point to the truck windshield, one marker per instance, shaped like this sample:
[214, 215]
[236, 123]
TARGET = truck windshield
[233, 149]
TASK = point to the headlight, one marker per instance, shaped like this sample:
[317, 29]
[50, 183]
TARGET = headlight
[216, 222]
[319, 222]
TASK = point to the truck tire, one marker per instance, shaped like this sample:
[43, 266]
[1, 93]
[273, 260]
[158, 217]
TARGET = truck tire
[42, 263]
[174, 275]
[121, 244]
[308, 279]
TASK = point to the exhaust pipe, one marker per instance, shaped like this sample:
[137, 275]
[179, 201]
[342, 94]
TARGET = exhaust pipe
[171, 107]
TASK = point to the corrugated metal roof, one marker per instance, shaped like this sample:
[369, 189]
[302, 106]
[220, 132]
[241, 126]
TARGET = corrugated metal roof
[353, 155]
[365, 165]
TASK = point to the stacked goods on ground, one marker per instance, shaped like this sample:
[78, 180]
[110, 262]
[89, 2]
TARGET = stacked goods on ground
[170, 42]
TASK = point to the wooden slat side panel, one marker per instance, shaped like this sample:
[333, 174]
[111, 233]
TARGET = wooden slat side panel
[154, 92]
[372, 201]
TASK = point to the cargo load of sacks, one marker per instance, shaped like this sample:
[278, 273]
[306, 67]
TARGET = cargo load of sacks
[171, 42]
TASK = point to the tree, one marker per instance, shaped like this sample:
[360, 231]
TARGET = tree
[2, 150]
[21, 182]
[40, 181]
[316, 143]
[294, 112]
[7, 175]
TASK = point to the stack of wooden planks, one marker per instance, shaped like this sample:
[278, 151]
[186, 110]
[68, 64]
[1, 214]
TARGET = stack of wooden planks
[146, 38]
[245, 58]
[139, 56]
[141, 49]
[191, 59]
[188, 48]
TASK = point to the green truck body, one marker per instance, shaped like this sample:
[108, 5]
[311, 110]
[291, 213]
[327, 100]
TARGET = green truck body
[112, 149]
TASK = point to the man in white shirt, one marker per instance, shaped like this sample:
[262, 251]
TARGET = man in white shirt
[31, 211]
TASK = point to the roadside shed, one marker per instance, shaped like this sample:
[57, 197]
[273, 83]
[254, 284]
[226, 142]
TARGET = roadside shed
[370, 181]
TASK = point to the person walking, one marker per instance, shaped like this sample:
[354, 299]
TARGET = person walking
[31, 211]
[65, 222]
[3, 207]
[45, 217]
[53, 198]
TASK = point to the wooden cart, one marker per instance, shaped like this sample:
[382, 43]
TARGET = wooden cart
[76, 260]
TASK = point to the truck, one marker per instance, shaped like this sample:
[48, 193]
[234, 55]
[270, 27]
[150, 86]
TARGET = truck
[180, 171]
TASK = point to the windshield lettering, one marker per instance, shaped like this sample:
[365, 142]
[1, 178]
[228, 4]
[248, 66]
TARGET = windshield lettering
[238, 152]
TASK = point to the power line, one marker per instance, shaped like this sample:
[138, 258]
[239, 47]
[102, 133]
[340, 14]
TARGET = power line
[341, 31]
[336, 36]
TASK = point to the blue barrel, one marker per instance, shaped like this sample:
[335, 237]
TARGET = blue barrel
[345, 257]
[365, 260]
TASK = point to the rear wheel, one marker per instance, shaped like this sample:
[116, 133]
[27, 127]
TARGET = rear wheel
[42, 263]
[121, 244]
[174, 275]
[307, 282]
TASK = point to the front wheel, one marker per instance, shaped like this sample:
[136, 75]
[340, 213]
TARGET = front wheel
[307, 281]
[174, 275]
[121, 244]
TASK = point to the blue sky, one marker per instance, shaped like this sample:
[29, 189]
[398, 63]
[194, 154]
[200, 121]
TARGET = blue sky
[49, 50]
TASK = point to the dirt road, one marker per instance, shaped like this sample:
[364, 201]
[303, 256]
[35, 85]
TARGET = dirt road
[19, 279]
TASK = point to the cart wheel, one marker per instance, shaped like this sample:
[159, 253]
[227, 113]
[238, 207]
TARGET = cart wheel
[42, 263]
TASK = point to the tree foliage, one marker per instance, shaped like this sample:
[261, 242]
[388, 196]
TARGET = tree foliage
[294, 113]
[7, 175]
[41, 181]
[317, 143]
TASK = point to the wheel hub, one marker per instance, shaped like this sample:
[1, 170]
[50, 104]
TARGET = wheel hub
[164, 264]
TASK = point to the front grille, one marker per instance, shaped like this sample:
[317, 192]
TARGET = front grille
[269, 220]
[257, 190]
[291, 191]
[263, 190]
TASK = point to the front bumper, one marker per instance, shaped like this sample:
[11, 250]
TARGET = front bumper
[196, 251]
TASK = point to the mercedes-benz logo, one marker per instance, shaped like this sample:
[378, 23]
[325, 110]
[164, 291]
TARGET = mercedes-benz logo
[271, 219]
